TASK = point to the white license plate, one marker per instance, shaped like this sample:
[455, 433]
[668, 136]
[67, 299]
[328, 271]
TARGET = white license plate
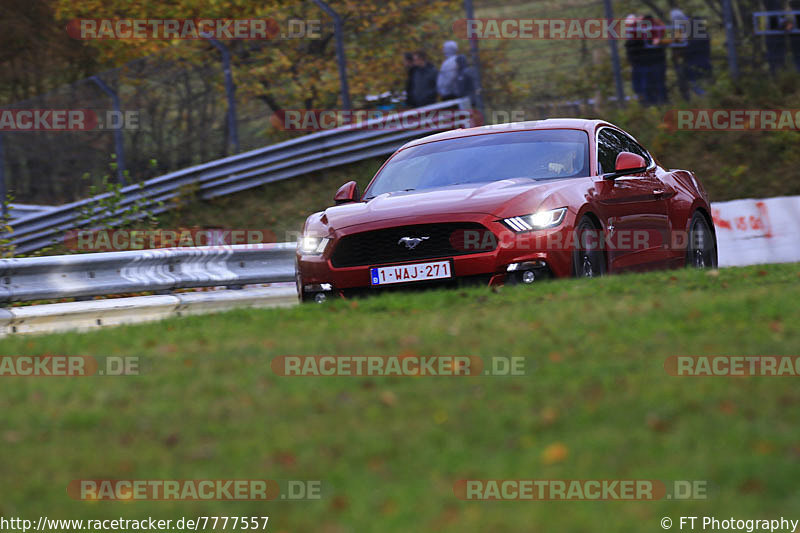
[410, 273]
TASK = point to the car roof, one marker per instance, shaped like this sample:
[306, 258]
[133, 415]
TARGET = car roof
[546, 124]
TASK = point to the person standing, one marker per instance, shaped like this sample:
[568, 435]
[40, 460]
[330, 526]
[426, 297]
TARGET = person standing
[422, 88]
[655, 57]
[634, 47]
[794, 36]
[448, 72]
[408, 64]
[775, 42]
[681, 31]
[698, 58]
[466, 84]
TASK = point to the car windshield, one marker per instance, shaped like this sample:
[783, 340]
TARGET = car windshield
[537, 154]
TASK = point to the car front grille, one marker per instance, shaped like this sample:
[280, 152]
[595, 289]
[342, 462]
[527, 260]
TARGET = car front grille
[383, 246]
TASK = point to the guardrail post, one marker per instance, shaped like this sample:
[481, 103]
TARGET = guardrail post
[118, 147]
[230, 90]
[338, 30]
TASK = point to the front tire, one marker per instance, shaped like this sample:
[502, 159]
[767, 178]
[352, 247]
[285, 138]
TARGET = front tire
[588, 259]
[701, 251]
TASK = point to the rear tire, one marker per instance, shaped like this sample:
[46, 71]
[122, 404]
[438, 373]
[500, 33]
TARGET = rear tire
[588, 259]
[701, 250]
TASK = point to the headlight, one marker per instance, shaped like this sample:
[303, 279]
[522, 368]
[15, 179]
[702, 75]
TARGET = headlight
[312, 245]
[540, 220]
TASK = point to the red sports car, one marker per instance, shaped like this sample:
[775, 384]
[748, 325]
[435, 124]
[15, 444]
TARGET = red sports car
[510, 203]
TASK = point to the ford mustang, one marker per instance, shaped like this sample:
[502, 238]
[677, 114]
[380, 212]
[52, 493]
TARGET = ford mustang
[507, 204]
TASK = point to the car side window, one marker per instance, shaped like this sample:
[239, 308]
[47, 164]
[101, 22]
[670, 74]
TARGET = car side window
[610, 143]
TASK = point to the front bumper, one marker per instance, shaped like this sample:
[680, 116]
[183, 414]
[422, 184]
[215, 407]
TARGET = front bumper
[547, 250]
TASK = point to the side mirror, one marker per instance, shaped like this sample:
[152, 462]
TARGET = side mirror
[347, 193]
[627, 163]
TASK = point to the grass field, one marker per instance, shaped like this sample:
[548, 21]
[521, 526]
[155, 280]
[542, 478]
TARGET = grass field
[594, 403]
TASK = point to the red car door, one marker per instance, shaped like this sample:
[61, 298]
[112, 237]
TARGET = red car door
[634, 208]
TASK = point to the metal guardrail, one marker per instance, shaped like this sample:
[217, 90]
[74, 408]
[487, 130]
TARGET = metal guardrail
[82, 316]
[17, 211]
[240, 172]
[106, 273]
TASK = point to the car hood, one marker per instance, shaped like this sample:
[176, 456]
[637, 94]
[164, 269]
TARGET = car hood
[490, 198]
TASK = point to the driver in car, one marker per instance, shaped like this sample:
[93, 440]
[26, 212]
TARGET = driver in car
[564, 163]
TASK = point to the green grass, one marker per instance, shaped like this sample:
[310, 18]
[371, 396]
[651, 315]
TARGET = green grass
[388, 450]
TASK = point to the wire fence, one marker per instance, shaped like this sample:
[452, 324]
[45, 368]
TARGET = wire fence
[173, 108]
[172, 115]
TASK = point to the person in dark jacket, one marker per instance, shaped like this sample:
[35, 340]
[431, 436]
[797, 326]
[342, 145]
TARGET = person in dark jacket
[466, 83]
[655, 57]
[697, 59]
[633, 50]
[775, 43]
[794, 37]
[648, 59]
[408, 63]
[680, 39]
[422, 90]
